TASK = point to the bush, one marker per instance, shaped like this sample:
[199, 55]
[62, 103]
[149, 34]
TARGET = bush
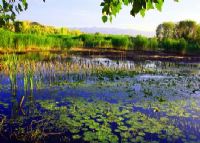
[140, 42]
[70, 42]
[152, 44]
[92, 40]
[106, 44]
[174, 45]
[21, 41]
[120, 42]
[182, 45]
[193, 48]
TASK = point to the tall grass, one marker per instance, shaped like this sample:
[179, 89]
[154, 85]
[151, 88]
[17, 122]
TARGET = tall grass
[140, 42]
[21, 41]
[68, 41]
[10, 66]
[173, 45]
[193, 48]
[120, 42]
[6, 39]
[95, 41]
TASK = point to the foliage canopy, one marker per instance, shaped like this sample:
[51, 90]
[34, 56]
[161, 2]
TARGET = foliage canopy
[112, 7]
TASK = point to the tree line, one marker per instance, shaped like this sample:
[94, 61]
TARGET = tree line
[183, 36]
[188, 29]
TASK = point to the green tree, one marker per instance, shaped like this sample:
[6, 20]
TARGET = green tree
[165, 30]
[140, 42]
[9, 8]
[186, 29]
[198, 34]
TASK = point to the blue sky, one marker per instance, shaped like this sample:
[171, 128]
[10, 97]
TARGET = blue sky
[87, 13]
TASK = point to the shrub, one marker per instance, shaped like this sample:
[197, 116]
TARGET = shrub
[193, 47]
[152, 44]
[70, 42]
[21, 41]
[106, 43]
[140, 42]
[174, 45]
[120, 42]
[91, 40]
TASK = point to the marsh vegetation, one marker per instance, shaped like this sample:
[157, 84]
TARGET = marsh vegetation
[180, 38]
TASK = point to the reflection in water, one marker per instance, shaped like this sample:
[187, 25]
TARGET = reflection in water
[98, 99]
[139, 65]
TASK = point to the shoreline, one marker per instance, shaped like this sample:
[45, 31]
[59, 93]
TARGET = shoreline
[137, 55]
[114, 54]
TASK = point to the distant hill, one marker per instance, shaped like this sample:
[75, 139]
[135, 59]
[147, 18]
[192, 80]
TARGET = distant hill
[131, 32]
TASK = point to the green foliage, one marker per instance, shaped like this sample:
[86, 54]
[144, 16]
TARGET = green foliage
[173, 45]
[91, 40]
[153, 43]
[121, 42]
[6, 39]
[182, 37]
[112, 7]
[140, 42]
[193, 47]
[20, 41]
[186, 29]
[28, 27]
[165, 30]
[8, 9]
[95, 41]
[70, 42]
[197, 38]
[23, 41]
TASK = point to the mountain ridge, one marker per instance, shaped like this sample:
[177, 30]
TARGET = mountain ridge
[117, 31]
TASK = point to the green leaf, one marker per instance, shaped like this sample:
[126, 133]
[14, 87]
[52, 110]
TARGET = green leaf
[126, 2]
[20, 7]
[149, 5]
[159, 5]
[102, 4]
[142, 12]
[104, 18]
[110, 18]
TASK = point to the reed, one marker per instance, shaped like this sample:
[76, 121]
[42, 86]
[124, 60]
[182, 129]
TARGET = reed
[19, 41]
[10, 66]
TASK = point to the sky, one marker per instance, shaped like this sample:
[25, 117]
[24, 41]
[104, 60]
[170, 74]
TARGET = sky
[87, 13]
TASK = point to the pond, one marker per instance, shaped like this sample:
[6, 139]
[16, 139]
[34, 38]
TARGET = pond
[69, 98]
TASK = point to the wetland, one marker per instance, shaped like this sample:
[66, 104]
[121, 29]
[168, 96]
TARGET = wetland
[61, 97]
